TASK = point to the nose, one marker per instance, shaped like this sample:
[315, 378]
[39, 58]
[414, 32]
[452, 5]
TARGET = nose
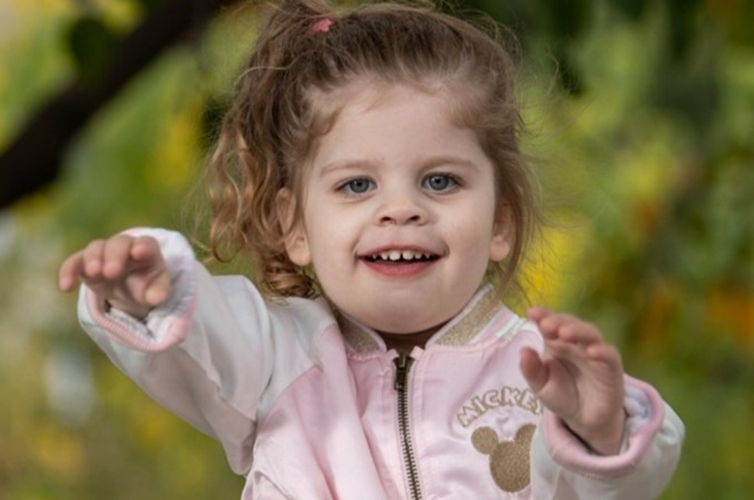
[401, 209]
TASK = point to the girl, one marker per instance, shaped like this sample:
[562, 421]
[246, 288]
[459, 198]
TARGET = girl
[371, 166]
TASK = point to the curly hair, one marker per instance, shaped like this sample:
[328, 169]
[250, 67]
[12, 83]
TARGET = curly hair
[308, 49]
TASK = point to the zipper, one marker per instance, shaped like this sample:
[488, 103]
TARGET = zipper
[402, 366]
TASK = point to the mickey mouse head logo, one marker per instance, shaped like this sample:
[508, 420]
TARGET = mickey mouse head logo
[509, 461]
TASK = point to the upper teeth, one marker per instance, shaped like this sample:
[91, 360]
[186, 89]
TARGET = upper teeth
[395, 255]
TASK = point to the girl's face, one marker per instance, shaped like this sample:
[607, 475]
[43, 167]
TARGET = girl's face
[400, 218]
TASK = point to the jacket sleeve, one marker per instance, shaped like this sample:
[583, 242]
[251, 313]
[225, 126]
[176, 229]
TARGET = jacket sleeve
[208, 354]
[563, 468]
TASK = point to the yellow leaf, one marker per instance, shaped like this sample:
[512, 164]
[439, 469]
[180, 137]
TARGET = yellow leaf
[176, 156]
[58, 452]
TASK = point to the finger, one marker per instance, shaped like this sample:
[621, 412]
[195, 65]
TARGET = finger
[116, 253]
[147, 254]
[551, 323]
[146, 250]
[70, 270]
[92, 255]
[556, 320]
[536, 313]
[563, 350]
[580, 331]
[534, 370]
[606, 354]
[569, 328]
[158, 290]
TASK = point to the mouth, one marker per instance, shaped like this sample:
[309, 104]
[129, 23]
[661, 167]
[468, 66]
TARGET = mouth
[400, 256]
[400, 262]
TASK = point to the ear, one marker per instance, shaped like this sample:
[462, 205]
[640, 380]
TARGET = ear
[503, 234]
[296, 243]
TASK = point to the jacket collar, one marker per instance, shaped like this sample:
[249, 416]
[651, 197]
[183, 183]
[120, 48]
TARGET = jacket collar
[461, 330]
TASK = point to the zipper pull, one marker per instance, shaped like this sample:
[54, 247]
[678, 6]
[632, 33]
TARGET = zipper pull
[402, 365]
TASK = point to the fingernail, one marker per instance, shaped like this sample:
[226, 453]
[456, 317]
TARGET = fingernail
[155, 296]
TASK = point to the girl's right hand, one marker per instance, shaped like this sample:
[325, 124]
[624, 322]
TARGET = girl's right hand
[127, 272]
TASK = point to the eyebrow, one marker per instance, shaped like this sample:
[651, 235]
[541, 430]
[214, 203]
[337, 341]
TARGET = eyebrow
[345, 165]
[431, 162]
[436, 161]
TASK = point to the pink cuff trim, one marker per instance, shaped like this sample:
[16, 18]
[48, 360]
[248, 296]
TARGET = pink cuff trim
[133, 333]
[646, 413]
[166, 325]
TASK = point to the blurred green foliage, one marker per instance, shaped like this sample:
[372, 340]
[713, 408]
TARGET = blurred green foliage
[641, 124]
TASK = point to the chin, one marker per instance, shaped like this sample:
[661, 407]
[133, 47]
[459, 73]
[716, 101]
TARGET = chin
[406, 323]
[395, 313]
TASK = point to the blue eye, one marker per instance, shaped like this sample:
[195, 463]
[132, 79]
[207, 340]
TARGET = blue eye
[439, 182]
[358, 185]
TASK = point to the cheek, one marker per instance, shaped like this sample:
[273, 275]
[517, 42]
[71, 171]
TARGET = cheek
[475, 220]
[473, 240]
[474, 237]
[329, 237]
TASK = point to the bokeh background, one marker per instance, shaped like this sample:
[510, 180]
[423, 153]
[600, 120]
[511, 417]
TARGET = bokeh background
[641, 128]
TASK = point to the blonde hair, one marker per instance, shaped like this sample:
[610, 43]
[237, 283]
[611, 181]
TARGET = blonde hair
[308, 49]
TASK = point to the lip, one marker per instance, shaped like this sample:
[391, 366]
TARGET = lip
[399, 268]
[399, 247]
[403, 269]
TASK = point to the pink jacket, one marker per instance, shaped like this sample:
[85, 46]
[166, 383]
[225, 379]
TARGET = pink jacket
[309, 404]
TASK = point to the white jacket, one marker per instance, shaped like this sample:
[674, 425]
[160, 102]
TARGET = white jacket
[309, 404]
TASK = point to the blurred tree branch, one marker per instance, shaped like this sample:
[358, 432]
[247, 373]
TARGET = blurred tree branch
[34, 158]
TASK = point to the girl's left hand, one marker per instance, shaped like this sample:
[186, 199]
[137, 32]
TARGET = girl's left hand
[579, 378]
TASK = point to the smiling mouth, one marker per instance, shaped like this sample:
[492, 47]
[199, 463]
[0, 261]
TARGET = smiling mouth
[400, 257]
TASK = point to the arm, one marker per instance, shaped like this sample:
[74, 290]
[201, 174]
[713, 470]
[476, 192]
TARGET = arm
[206, 352]
[563, 468]
[603, 435]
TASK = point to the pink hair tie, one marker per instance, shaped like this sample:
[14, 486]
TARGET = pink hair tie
[321, 26]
